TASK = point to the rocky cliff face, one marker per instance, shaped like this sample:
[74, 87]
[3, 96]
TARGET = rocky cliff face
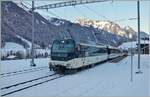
[108, 26]
[17, 21]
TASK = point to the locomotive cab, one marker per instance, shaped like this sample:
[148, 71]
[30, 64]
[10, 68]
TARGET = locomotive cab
[63, 50]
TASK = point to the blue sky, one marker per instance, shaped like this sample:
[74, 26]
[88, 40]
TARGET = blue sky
[116, 10]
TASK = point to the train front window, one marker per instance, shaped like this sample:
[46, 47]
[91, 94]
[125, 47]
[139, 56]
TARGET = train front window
[63, 47]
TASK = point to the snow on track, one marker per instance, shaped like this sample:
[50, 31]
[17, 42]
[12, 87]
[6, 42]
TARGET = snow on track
[23, 71]
[17, 65]
[23, 77]
[28, 84]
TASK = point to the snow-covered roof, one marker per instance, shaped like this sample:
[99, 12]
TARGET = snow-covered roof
[11, 56]
[133, 44]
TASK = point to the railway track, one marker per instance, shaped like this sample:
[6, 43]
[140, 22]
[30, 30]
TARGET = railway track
[115, 60]
[7, 90]
[23, 71]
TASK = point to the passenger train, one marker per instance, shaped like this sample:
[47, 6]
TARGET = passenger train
[68, 56]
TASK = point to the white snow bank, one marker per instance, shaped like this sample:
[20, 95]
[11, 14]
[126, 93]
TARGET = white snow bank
[12, 46]
[11, 56]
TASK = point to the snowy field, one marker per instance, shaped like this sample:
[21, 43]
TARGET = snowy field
[14, 47]
[108, 79]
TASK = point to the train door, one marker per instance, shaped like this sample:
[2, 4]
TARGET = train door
[82, 54]
[108, 52]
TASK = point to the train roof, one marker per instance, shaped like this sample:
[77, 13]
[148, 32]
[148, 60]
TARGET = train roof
[92, 45]
[87, 43]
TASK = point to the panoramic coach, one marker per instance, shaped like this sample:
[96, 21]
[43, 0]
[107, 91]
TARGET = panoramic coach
[68, 56]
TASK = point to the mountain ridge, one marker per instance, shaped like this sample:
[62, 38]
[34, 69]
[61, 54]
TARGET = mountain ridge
[108, 26]
[17, 21]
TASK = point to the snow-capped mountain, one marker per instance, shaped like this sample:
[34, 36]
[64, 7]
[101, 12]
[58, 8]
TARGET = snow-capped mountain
[108, 26]
[56, 21]
[129, 31]
[21, 4]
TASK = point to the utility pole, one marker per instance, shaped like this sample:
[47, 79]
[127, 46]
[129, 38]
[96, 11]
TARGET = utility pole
[139, 47]
[32, 48]
[130, 36]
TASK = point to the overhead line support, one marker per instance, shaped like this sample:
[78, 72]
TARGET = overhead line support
[69, 3]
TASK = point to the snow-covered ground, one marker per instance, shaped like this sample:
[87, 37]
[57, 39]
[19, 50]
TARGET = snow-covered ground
[21, 64]
[14, 47]
[11, 46]
[132, 44]
[108, 79]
